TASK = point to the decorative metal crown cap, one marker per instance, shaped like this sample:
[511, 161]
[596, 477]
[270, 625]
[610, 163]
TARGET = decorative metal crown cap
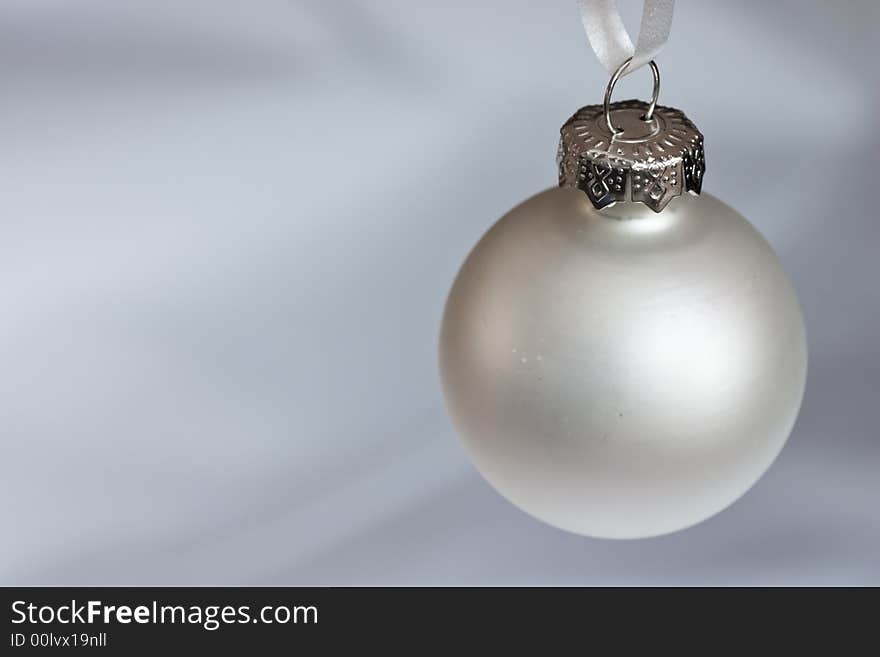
[648, 161]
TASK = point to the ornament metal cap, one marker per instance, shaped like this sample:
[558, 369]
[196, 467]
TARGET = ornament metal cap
[631, 150]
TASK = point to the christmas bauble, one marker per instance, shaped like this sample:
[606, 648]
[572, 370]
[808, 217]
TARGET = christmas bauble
[620, 372]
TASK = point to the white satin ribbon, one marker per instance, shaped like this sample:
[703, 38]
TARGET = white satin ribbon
[611, 41]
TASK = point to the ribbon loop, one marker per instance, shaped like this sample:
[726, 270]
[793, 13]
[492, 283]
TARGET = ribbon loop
[610, 40]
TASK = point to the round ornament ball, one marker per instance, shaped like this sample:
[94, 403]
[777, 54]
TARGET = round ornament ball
[622, 372]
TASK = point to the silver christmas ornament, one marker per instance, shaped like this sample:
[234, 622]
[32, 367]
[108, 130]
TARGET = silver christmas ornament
[622, 356]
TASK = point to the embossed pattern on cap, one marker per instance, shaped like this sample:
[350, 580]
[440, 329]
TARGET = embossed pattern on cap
[647, 161]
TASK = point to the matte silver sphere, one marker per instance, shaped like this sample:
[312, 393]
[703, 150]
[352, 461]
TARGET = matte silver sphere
[622, 373]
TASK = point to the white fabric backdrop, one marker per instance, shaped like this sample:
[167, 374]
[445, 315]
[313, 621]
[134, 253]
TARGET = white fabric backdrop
[228, 230]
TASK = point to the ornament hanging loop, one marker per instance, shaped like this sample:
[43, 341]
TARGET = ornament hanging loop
[655, 93]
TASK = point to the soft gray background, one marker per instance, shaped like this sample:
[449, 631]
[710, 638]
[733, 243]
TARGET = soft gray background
[227, 233]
